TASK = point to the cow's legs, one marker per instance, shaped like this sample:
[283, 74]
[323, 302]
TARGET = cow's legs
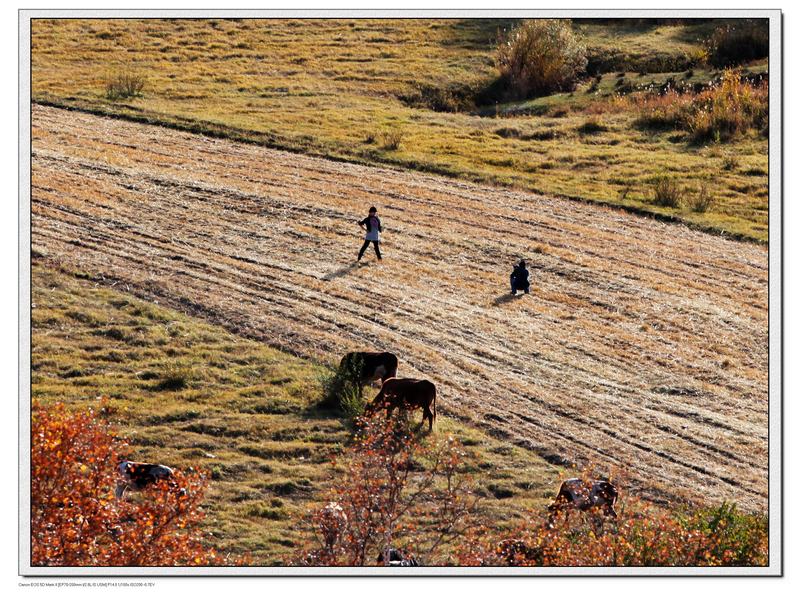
[427, 414]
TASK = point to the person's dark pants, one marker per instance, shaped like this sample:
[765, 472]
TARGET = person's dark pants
[366, 244]
[519, 286]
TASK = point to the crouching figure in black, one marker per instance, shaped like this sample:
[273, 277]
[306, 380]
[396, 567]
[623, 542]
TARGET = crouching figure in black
[519, 278]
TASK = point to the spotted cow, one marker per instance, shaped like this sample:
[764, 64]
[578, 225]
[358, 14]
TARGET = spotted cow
[138, 475]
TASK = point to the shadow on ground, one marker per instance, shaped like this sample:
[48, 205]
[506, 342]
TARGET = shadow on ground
[505, 298]
[343, 271]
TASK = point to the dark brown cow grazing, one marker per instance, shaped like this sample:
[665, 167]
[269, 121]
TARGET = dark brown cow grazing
[407, 394]
[583, 495]
[138, 475]
[369, 367]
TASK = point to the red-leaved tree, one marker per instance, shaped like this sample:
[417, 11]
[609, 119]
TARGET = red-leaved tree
[76, 519]
[397, 491]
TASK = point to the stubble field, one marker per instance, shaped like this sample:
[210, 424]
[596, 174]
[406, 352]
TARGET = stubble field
[642, 345]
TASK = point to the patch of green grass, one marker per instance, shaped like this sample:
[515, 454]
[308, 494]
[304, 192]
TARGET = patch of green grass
[247, 414]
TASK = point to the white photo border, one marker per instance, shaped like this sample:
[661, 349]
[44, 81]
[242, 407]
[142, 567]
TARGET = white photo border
[775, 439]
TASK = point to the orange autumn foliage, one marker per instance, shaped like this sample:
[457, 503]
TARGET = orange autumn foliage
[416, 495]
[76, 519]
[642, 536]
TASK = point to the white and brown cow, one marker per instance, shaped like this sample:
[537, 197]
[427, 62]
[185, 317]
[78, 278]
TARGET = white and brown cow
[138, 475]
[331, 521]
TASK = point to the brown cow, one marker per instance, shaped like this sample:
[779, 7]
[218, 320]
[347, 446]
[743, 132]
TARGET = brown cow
[584, 495]
[365, 368]
[408, 394]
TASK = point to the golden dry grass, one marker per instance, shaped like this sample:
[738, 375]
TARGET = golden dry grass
[326, 86]
[642, 345]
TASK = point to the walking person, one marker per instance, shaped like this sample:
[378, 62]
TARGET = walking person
[519, 278]
[372, 224]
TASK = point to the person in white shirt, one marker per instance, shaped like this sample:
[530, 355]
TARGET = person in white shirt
[372, 224]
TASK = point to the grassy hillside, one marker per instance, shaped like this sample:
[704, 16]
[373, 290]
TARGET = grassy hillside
[185, 393]
[641, 345]
[365, 91]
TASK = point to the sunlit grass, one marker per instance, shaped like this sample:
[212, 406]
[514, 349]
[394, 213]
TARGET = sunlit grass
[326, 87]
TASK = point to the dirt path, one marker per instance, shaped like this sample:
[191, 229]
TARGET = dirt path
[643, 345]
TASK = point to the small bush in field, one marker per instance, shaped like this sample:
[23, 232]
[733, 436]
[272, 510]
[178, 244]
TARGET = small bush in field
[390, 141]
[173, 378]
[592, 126]
[667, 192]
[540, 57]
[124, 86]
[729, 109]
[452, 98]
[730, 163]
[341, 390]
[76, 519]
[736, 43]
[703, 201]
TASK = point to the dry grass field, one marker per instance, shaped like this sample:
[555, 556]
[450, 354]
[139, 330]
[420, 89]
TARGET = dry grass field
[643, 345]
[340, 87]
[192, 395]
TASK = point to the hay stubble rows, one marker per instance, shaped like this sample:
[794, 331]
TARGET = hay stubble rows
[642, 345]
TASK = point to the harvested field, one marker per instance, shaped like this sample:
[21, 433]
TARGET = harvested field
[643, 345]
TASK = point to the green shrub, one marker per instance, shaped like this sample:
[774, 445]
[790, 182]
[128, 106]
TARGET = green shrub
[390, 141]
[736, 43]
[667, 192]
[540, 57]
[341, 390]
[172, 378]
[738, 539]
[703, 201]
[730, 163]
[124, 86]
